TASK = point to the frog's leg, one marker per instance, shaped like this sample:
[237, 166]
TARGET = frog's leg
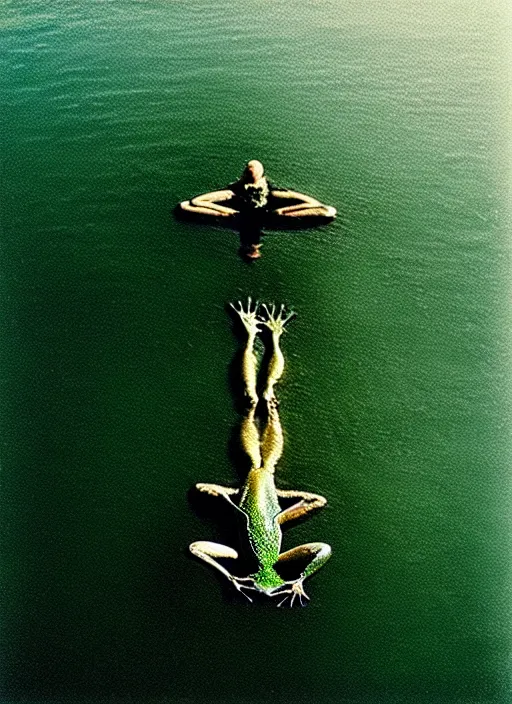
[272, 440]
[249, 433]
[217, 490]
[308, 502]
[249, 362]
[250, 438]
[208, 551]
[316, 555]
[275, 323]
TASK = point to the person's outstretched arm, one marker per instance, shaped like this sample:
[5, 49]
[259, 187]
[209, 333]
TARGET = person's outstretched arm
[209, 204]
[306, 205]
[294, 195]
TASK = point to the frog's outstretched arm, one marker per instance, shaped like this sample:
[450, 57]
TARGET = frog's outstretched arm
[308, 502]
[208, 551]
[217, 490]
[275, 323]
[316, 555]
[249, 361]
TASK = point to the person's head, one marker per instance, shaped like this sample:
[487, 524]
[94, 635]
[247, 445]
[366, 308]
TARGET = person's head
[253, 171]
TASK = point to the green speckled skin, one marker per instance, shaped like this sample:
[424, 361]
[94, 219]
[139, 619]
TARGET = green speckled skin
[260, 504]
[258, 500]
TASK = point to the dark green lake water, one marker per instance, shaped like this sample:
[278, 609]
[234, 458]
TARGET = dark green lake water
[116, 346]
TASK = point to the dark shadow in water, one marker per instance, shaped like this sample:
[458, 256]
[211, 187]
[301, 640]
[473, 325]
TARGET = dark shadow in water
[251, 229]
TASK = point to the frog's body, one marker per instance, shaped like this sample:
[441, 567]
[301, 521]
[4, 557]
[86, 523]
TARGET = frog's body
[257, 503]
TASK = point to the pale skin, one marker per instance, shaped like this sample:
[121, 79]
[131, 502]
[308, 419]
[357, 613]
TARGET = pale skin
[258, 501]
[211, 204]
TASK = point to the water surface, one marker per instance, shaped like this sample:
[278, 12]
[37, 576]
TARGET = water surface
[116, 346]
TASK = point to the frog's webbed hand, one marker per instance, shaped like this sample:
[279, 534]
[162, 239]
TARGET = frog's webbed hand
[249, 362]
[315, 555]
[208, 551]
[308, 502]
[275, 323]
[217, 490]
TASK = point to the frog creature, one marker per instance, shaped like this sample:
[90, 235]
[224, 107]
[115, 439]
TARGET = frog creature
[257, 503]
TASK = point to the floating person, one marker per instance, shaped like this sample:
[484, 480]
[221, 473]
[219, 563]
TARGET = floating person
[258, 502]
[253, 203]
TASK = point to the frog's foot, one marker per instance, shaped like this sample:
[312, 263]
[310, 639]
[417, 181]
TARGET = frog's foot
[236, 582]
[248, 317]
[276, 322]
[296, 591]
